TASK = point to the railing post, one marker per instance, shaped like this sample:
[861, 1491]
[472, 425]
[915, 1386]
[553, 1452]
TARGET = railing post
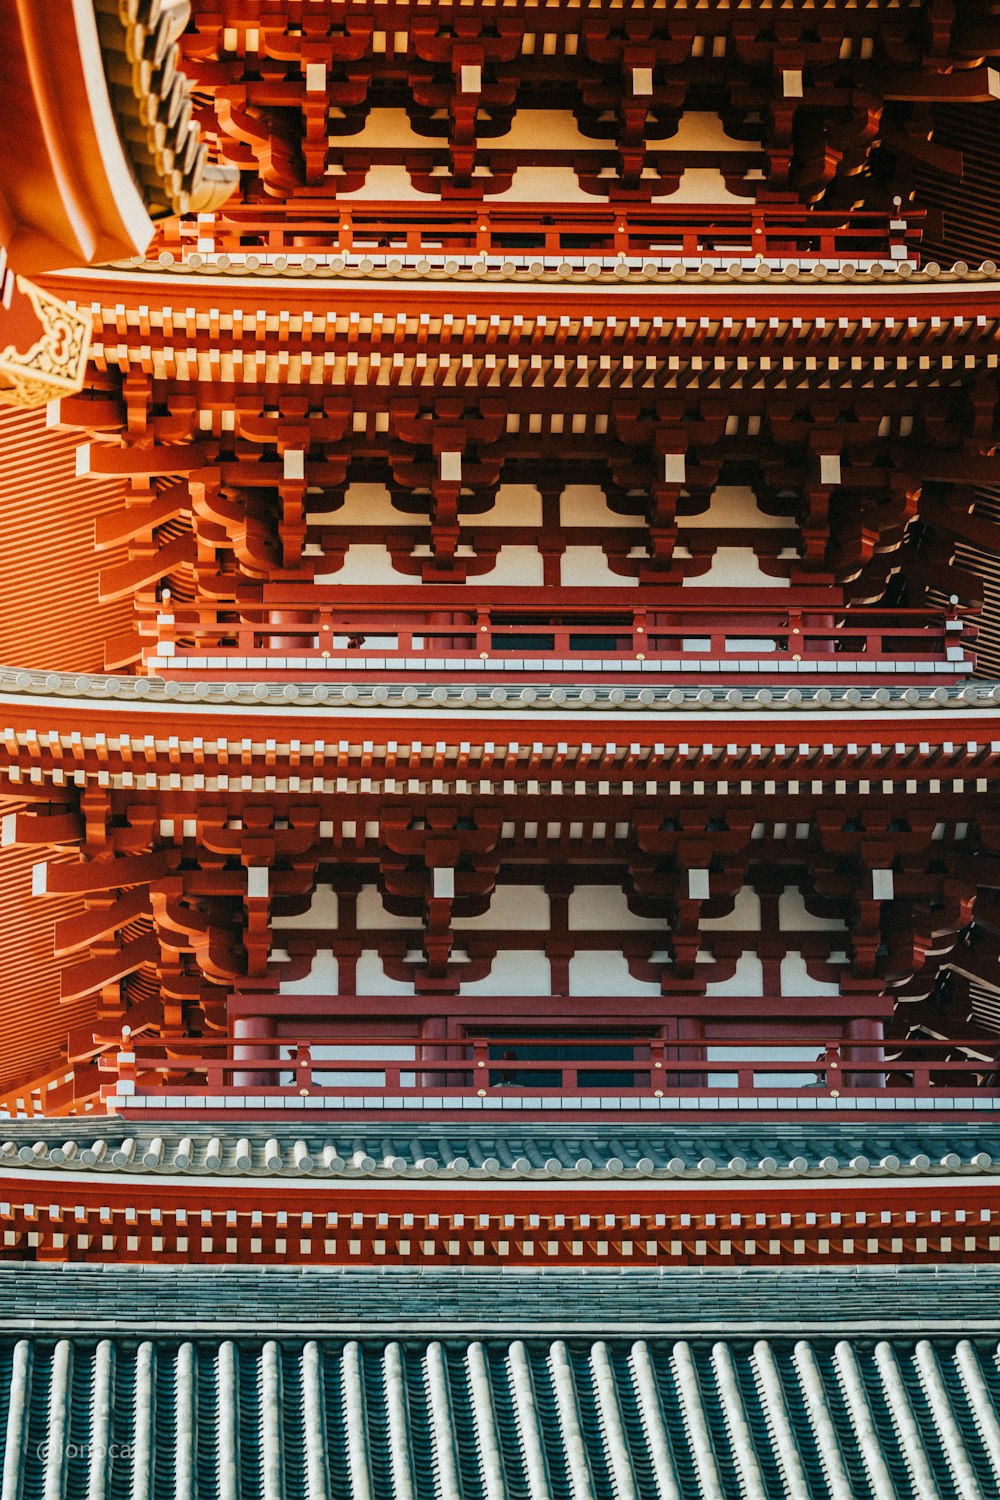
[832, 1078]
[480, 1067]
[757, 237]
[640, 641]
[303, 1069]
[126, 1064]
[657, 1061]
[484, 634]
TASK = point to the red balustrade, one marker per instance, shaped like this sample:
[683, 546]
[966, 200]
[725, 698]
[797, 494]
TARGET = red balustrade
[538, 1066]
[384, 231]
[426, 628]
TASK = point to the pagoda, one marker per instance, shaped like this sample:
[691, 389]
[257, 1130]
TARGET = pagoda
[500, 901]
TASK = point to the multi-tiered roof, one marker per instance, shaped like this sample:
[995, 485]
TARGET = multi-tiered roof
[499, 765]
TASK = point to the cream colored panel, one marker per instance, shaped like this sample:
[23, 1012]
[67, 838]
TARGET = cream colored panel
[516, 505]
[703, 185]
[701, 130]
[587, 567]
[364, 505]
[322, 979]
[373, 980]
[366, 564]
[372, 913]
[586, 505]
[793, 917]
[544, 185]
[603, 907]
[386, 128]
[386, 184]
[796, 979]
[734, 506]
[747, 980]
[735, 568]
[516, 971]
[524, 907]
[322, 912]
[550, 129]
[592, 972]
[744, 917]
[515, 567]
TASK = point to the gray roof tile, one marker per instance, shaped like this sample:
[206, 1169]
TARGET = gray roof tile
[649, 1419]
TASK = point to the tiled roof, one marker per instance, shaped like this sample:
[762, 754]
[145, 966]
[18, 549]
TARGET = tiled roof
[828, 1149]
[955, 693]
[566, 1420]
[952, 1300]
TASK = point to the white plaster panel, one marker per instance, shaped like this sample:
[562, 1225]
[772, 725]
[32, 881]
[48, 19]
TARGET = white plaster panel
[366, 564]
[703, 185]
[793, 917]
[748, 978]
[543, 185]
[322, 912]
[391, 127]
[373, 980]
[516, 567]
[323, 978]
[372, 913]
[515, 971]
[734, 507]
[735, 568]
[700, 130]
[594, 972]
[600, 907]
[516, 505]
[796, 980]
[521, 907]
[364, 505]
[587, 505]
[744, 917]
[551, 129]
[386, 183]
[587, 567]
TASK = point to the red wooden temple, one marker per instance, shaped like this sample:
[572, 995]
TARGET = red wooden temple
[501, 713]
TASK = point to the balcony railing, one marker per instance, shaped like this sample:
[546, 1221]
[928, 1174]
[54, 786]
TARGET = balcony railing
[530, 1070]
[520, 233]
[422, 630]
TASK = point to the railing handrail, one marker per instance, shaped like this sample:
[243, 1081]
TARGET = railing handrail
[487, 1064]
[528, 1038]
[480, 631]
[551, 608]
[544, 213]
[426, 226]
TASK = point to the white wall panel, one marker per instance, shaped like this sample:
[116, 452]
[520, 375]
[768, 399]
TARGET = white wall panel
[736, 568]
[747, 980]
[524, 908]
[602, 907]
[592, 972]
[515, 971]
[587, 567]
